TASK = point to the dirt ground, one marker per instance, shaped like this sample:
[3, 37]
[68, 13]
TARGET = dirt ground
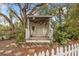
[10, 48]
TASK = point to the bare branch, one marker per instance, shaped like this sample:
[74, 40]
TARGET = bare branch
[34, 9]
[16, 15]
[10, 22]
[19, 6]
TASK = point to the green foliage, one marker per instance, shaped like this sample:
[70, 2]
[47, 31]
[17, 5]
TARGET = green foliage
[20, 34]
[43, 10]
[72, 22]
[4, 32]
[70, 28]
[72, 33]
[46, 10]
[60, 35]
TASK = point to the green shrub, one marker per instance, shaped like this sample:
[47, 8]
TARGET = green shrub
[65, 32]
[20, 35]
[60, 34]
[72, 33]
[60, 37]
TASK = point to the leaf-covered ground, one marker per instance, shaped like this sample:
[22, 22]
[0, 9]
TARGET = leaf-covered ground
[10, 48]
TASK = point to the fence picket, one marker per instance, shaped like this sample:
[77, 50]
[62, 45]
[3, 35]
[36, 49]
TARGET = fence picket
[57, 51]
[61, 51]
[39, 54]
[65, 50]
[75, 49]
[43, 53]
[69, 50]
[52, 52]
[35, 54]
[78, 49]
[72, 50]
[47, 53]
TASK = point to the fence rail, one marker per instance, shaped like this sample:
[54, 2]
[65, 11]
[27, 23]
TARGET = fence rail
[70, 50]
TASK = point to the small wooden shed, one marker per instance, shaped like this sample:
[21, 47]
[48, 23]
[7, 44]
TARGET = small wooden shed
[39, 28]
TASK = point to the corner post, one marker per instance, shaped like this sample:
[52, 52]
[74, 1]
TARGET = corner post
[50, 30]
[27, 30]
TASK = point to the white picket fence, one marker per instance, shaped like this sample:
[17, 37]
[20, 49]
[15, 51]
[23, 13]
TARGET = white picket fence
[70, 50]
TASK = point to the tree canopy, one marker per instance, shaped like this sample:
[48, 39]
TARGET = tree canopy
[66, 18]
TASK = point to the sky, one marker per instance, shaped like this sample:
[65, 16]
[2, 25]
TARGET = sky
[4, 10]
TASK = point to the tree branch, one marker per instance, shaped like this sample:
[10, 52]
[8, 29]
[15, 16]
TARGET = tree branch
[10, 22]
[16, 15]
[34, 9]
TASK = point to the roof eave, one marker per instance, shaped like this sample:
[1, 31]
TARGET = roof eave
[47, 16]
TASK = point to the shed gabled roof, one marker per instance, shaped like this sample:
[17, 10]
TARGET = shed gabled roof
[40, 16]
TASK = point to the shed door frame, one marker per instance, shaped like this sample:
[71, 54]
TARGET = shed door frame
[39, 29]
